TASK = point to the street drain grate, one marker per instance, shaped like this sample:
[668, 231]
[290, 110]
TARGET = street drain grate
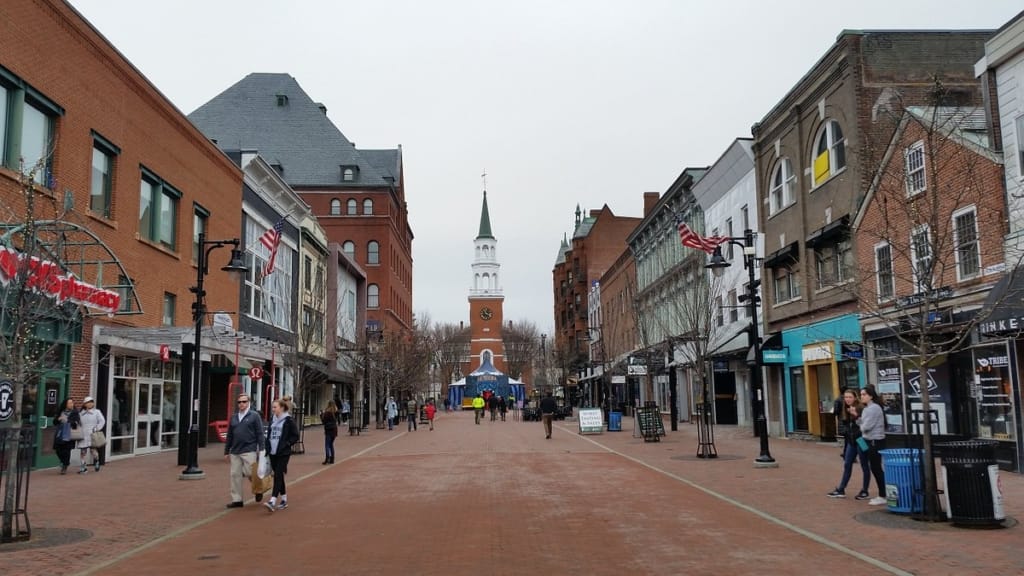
[694, 458]
[886, 519]
[48, 538]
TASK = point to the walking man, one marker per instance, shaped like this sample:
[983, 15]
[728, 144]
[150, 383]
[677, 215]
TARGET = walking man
[245, 439]
[492, 406]
[502, 407]
[478, 407]
[547, 412]
[410, 408]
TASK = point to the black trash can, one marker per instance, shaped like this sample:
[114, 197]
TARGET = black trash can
[971, 477]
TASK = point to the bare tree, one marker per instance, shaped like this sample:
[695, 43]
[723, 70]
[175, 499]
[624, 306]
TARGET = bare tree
[308, 357]
[931, 228]
[522, 343]
[449, 345]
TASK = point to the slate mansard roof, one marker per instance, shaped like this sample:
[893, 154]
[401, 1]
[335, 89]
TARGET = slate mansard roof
[270, 113]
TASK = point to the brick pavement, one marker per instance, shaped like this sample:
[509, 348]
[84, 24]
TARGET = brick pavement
[416, 503]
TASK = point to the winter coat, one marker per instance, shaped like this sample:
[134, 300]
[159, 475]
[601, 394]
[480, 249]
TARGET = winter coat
[91, 421]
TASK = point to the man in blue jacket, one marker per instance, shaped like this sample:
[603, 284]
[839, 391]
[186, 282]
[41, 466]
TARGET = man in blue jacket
[245, 439]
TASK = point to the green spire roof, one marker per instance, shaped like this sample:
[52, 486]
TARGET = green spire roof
[485, 221]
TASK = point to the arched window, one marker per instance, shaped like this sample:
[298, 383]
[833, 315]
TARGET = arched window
[367, 207]
[486, 281]
[335, 207]
[373, 296]
[829, 152]
[476, 281]
[352, 206]
[373, 252]
[495, 280]
[348, 175]
[780, 194]
[349, 248]
[487, 252]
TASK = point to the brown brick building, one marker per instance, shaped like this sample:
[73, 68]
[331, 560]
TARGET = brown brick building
[816, 154]
[125, 178]
[597, 241]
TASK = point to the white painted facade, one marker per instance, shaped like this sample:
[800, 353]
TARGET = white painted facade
[1004, 53]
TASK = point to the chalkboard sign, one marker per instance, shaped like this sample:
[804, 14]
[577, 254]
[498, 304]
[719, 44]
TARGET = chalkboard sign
[651, 426]
[591, 421]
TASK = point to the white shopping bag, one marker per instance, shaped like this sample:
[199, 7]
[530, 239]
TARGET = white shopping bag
[263, 464]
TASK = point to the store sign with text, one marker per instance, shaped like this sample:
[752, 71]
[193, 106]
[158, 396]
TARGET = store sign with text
[45, 277]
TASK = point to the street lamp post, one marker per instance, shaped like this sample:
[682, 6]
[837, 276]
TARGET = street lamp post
[718, 264]
[237, 268]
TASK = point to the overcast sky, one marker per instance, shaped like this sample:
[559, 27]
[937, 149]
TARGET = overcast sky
[588, 102]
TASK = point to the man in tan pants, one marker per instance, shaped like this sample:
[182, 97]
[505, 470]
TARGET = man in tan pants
[548, 407]
[245, 439]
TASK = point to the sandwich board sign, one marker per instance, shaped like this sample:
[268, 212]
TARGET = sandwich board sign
[591, 421]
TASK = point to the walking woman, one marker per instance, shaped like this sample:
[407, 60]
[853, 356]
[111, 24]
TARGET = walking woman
[65, 421]
[329, 417]
[848, 424]
[872, 429]
[92, 420]
[282, 433]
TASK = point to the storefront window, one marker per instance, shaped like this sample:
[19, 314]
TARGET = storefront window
[144, 411]
[992, 392]
[799, 398]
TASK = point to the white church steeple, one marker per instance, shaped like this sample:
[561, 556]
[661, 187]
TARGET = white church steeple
[486, 280]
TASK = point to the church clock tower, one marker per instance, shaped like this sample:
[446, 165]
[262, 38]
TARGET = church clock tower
[485, 299]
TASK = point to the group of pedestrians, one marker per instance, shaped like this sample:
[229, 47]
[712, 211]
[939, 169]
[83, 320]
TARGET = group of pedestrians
[247, 437]
[493, 404]
[79, 426]
[862, 427]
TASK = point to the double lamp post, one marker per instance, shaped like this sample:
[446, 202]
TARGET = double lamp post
[237, 268]
[717, 265]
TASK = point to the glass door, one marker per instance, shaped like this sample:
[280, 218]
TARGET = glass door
[149, 397]
[41, 404]
[122, 414]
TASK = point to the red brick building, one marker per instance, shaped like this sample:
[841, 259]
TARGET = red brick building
[128, 181]
[931, 229]
[358, 196]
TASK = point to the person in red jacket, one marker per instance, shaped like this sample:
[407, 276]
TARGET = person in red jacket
[430, 410]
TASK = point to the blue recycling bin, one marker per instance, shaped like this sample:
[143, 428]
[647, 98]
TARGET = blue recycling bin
[904, 485]
[615, 421]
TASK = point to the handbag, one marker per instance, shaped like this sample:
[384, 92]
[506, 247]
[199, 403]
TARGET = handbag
[863, 444]
[77, 434]
[99, 439]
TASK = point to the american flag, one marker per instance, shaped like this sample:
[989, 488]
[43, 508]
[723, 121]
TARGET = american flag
[691, 239]
[272, 239]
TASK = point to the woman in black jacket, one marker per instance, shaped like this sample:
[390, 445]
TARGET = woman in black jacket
[851, 431]
[65, 421]
[281, 435]
[329, 418]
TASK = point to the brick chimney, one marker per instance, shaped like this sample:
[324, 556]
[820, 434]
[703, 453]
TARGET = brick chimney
[650, 201]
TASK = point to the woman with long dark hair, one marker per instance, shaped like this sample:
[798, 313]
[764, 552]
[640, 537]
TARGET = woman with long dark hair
[848, 424]
[66, 420]
[872, 430]
[329, 418]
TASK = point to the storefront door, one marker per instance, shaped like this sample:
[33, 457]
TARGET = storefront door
[148, 421]
[48, 393]
[798, 395]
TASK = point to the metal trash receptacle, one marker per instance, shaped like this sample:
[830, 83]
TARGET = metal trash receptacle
[970, 475]
[615, 421]
[904, 485]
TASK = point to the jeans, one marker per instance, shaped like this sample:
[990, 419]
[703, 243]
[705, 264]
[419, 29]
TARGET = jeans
[412, 421]
[329, 446]
[851, 453]
[280, 467]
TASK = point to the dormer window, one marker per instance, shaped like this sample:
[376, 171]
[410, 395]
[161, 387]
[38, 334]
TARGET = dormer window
[349, 173]
[282, 99]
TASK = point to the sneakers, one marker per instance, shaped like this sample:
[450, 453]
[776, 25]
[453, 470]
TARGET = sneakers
[234, 505]
[877, 501]
[270, 505]
[282, 505]
[837, 493]
[862, 495]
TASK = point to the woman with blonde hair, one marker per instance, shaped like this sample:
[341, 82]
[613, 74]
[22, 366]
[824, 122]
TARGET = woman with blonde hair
[281, 435]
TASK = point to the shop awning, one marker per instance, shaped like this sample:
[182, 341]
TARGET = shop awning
[832, 231]
[1006, 303]
[219, 340]
[783, 256]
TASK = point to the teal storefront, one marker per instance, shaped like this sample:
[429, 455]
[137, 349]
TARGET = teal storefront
[811, 363]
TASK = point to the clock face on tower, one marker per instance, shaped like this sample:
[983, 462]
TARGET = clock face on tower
[486, 313]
